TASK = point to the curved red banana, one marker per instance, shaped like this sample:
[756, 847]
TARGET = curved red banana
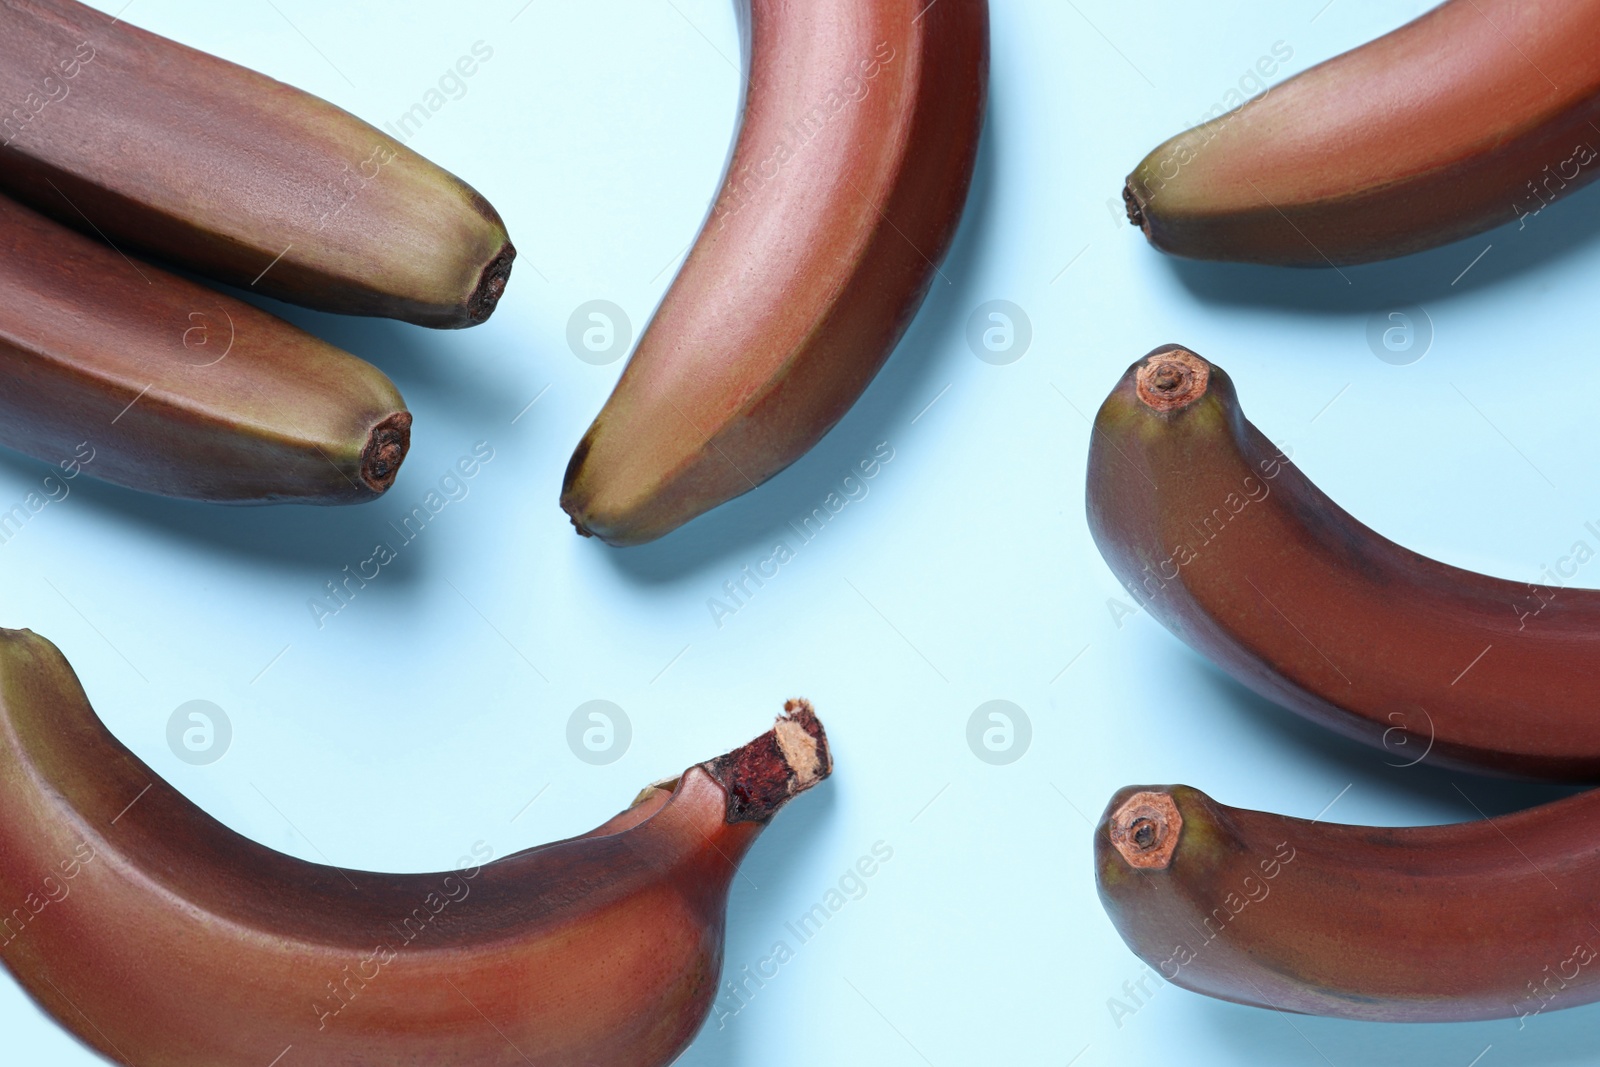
[857, 147]
[159, 936]
[1477, 114]
[1220, 537]
[1491, 919]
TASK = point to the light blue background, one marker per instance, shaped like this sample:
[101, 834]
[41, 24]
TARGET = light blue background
[430, 712]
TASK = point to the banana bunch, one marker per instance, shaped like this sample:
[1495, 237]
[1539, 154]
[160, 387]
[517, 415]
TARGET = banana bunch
[218, 170]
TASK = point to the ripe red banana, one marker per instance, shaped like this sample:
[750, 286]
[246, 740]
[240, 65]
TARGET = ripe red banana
[178, 389]
[1476, 114]
[159, 936]
[1219, 536]
[1491, 919]
[234, 175]
[851, 170]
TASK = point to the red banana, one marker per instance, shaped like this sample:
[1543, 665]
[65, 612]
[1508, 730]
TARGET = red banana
[1477, 114]
[857, 147]
[159, 936]
[238, 177]
[1483, 920]
[177, 389]
[1214, 531]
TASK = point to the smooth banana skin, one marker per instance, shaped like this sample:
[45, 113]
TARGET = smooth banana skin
[1220, 537]
[1477, 114]
[1481, 920]
[848, 179]
[236, 176]
[162, 938]
[177, 389]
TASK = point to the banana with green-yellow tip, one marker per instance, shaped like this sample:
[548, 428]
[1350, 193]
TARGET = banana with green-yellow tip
[174, 388]
[847, 182]
[1477, 114]
[191, 159]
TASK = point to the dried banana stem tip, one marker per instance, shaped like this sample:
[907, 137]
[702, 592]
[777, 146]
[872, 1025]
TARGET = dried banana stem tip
[1145, 830]
[787, 760]
[1130, 200]
[1172, 378]
[385, 451]
[491, 286]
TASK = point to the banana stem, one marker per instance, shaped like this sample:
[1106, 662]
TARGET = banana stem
[386, 449]
[1172, 378]
[1145, 830]
[782, 763]
[491, 286]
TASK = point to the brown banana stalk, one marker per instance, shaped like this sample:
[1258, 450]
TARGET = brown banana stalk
[233, 175]
[1211, 528]
[1492, 919]
[176, 389]
[1477, 114]
[851, 170]
[159, 936]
